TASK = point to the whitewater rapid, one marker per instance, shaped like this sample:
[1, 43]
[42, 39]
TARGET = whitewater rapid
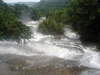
[67, 48]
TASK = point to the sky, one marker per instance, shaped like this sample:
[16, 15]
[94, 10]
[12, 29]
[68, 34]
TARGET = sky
[13, 1]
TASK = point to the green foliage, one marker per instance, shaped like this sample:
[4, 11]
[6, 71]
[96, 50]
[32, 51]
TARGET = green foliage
[23, 12]
[59, 15]
[51, 4]
[44, 6]
[35, 14]
[54, 24]
[98, 47]
[49, 26]
[84, 16]
[10, 27]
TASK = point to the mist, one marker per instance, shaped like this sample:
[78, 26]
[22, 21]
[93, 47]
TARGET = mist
[25, 16]
[15, 1]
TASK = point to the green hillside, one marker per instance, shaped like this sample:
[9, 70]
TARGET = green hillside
[51, 4]
[30, 4]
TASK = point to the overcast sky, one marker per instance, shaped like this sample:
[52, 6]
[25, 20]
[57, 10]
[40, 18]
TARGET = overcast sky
[11, 1]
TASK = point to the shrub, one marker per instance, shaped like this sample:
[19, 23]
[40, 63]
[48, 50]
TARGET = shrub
[49, 26]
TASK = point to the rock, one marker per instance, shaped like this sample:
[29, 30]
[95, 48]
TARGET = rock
[58, 36]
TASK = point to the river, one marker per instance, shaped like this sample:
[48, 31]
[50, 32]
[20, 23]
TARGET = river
[45, 55]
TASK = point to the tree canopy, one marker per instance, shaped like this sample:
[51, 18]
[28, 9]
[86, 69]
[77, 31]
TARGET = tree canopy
[51, 4]
[84, 16]
[50, 26]
[10, 27]
[24, 12]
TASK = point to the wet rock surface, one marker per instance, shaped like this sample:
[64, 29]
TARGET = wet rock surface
[40, 65]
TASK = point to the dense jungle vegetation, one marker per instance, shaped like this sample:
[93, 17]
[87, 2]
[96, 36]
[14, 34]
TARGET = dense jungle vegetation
[11, 28]
[82, 15]
[55, 13]
[51, 4]
[47, 5]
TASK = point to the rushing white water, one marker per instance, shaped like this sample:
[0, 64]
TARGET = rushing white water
[69, 48]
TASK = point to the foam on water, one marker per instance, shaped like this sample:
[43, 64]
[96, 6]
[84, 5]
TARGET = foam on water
[52, 50]
[12, 48]
[91, 58]
[38, 37]
[90, 72]
[66, 48]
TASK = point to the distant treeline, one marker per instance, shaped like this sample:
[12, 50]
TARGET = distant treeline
[51, 4]
[22, 11]
[29, 4]
[45, 5]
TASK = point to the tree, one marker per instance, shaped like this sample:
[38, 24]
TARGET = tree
[49, 26]
[84, 15]
[59, 15]
[26, 13]
[10, 27]
[35, 14]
